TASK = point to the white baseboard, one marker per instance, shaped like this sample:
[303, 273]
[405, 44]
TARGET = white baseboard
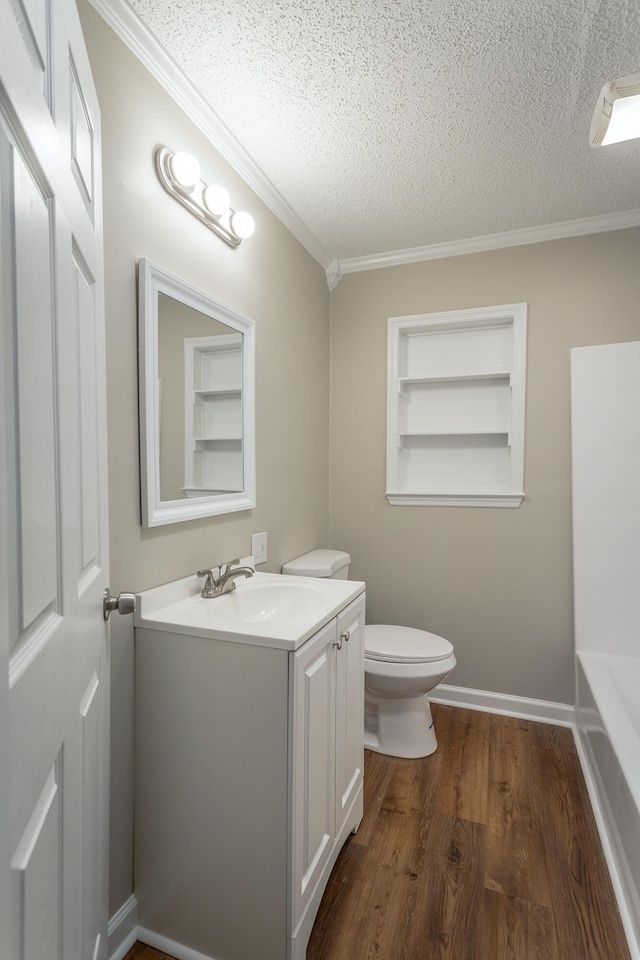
[123, 929]
[172, 947]
[543, 711]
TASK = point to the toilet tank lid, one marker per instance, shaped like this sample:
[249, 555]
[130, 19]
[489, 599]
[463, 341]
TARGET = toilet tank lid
[317, 563]
[404, 644]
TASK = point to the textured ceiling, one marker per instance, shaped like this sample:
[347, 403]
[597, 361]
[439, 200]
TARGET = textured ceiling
[389, 124]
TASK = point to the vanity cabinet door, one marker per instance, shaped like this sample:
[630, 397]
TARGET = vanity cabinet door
[349, 708]
[313, 762]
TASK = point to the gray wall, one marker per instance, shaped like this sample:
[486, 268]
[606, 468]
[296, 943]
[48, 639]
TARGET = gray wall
[496, 582]
[270, 278]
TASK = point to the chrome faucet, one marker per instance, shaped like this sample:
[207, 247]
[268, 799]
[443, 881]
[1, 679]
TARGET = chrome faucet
[225, 582]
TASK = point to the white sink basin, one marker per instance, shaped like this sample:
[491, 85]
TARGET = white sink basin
[266, 609]
[254, 601]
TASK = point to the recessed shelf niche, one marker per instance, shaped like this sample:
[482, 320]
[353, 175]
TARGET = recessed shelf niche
[455, 407]
[213, 409]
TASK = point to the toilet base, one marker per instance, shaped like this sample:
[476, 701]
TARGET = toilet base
[399, 727]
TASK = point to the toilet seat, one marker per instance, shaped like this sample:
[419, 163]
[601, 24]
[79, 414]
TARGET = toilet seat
[393, 644]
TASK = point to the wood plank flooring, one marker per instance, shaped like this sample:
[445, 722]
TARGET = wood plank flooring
[487, 850]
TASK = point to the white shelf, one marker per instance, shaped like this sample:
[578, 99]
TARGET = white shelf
[455, 433]
[453, 378]
[220, 439]
[397, 499]
[455, 408]
[206, 394]
[194, 492]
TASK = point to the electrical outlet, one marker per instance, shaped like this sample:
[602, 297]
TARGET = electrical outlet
[259, 547]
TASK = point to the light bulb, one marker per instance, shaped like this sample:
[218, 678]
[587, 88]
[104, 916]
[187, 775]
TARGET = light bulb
[242, 224]
[216, 199]
[185, 169]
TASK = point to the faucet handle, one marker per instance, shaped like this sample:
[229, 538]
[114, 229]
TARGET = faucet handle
[209, 587]
[226, 567]
[209, 583]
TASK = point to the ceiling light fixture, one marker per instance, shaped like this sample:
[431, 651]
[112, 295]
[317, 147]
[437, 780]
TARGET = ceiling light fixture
[617, 113]
[179, 174]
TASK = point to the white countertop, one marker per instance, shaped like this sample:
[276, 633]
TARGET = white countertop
[178, 607]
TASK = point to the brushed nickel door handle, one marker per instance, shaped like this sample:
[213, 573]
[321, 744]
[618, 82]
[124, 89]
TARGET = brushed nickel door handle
[124, 603]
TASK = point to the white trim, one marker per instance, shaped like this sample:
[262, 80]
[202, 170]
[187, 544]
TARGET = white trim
[171, 947]
[123, 929]
[153, 280]
[495, 241]
[139, 39]
[540, 711]
[602, 818]
[454, 499]
[334, 274]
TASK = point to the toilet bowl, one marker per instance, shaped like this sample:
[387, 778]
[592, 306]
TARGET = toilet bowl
[402, 665]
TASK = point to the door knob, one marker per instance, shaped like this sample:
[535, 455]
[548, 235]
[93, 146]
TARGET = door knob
[123, 603]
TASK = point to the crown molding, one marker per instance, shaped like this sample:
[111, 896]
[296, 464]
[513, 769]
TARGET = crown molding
[334, 274]
[138, 38]
[494, 241]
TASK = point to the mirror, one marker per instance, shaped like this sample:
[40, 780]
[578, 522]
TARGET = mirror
[197, 421]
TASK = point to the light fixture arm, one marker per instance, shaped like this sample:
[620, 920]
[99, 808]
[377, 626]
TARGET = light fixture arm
[193, 199]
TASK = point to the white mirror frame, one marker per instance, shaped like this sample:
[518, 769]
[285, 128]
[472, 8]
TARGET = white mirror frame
[152, 281]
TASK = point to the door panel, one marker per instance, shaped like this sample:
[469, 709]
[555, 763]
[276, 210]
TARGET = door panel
[85, 375]
[82, 140]
[32, 17]
[313, 762]
[92, 766]
[37, 479]
[349, 709]
[37, 867]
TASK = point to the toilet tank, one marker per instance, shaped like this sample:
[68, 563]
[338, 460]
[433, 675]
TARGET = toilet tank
[333, 564]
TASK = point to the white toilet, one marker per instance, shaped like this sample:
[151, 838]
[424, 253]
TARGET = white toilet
[402, 665]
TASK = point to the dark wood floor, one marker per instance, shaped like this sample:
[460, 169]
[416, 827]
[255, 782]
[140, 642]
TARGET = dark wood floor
[487, 850]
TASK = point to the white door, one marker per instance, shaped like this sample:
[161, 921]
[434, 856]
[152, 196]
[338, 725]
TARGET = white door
[313, 762]
[53, 508]
[349, 709]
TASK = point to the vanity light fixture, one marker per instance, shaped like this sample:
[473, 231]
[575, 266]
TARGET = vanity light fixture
[179, 174]
[617, 113]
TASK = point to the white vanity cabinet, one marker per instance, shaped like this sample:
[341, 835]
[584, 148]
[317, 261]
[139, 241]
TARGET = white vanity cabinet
[249, 765]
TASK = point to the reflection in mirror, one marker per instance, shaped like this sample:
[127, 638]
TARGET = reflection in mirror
[196, 404]
[200, 392]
